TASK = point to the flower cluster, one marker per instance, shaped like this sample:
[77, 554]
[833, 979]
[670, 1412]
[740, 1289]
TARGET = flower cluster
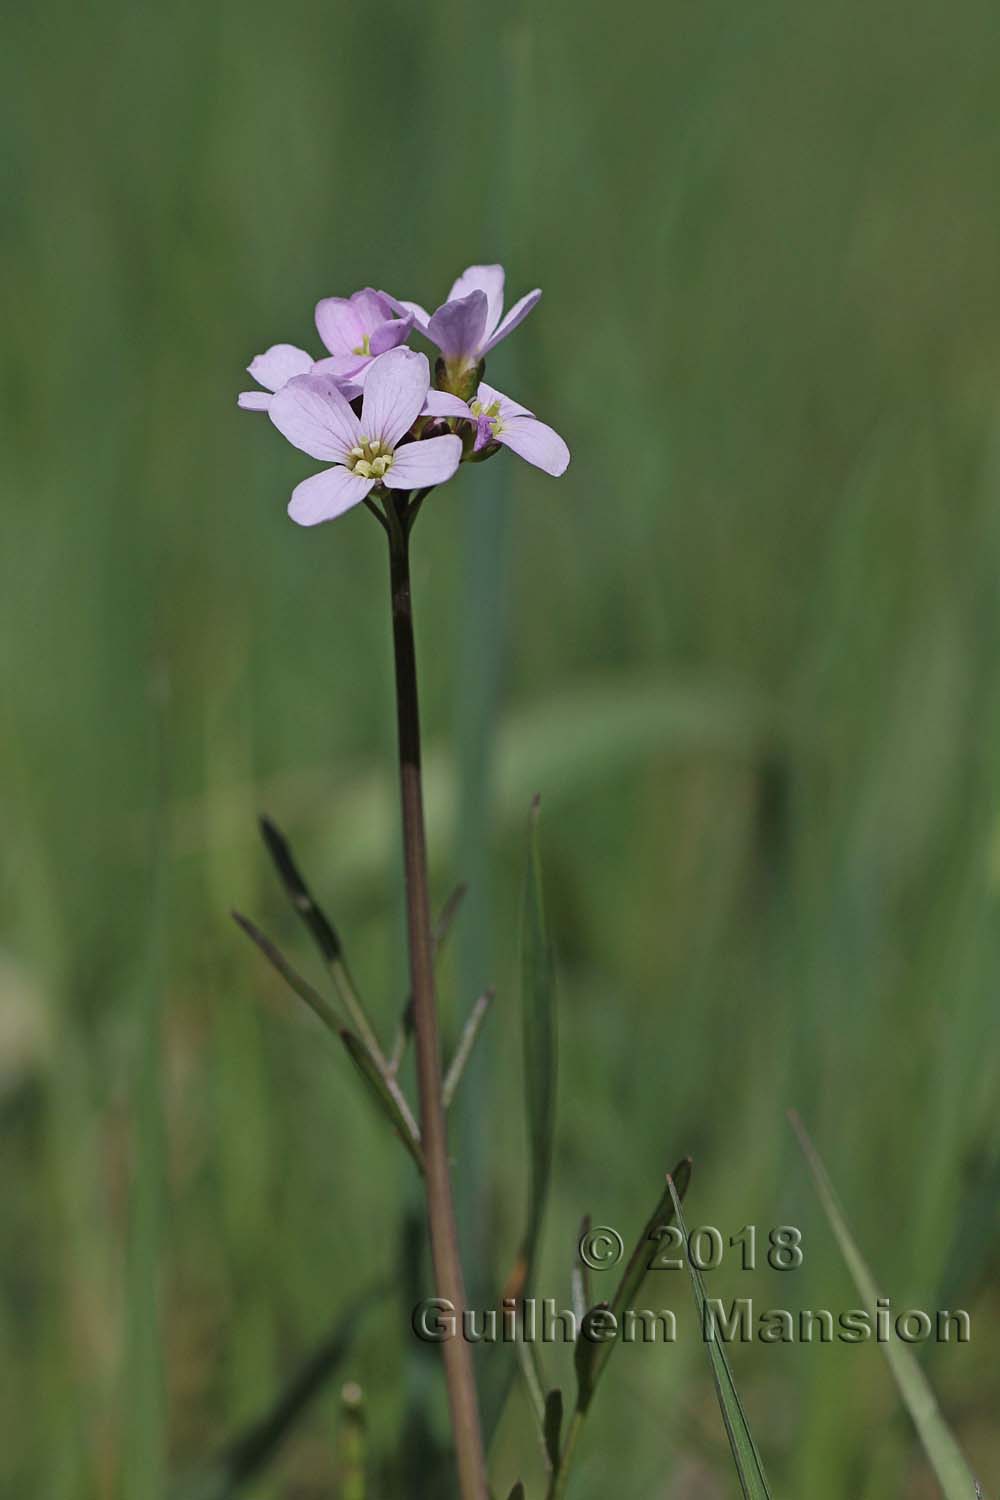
[369, 409]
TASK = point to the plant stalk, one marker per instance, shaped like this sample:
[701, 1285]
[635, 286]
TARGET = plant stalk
[448, 1278]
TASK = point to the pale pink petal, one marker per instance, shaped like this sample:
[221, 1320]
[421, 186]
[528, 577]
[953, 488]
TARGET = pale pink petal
[339, 325]
[517, 314]
[325, 496]
[396, 387]
[488, 394]
[458, 328]
[534, 441]
[278, 365]
[420, 315]
[386, 336]
[488, 279]
[417, 466]
[343, 367]
[444, 404]
[312, 412]
[254, 400]
[372, 307]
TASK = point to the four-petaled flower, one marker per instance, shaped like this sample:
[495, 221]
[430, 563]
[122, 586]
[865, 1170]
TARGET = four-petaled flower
[501, 420]
[313, 414]
[471, 323]
[356, 330]
[388, 446]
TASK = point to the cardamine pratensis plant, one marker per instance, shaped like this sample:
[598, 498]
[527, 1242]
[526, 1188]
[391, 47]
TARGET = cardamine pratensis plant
[388, 435]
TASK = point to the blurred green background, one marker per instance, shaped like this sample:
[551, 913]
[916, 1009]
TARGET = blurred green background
[748, 651]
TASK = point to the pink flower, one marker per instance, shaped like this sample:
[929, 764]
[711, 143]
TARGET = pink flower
[273, 369]
[471, 322]
[312, 412]
[501, 420]
[356, 330]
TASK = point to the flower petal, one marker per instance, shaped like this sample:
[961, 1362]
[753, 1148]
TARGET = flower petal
[459, 328]
[254, 400]
[488, 279]
[418, 466]
[344, 368]
[396, 387]
[420, 315]
[312, 412]
[339, 325]
[278, 365]
[517, 314]
[387, 335]
[488, 394]
[444, 404]
[534, 441]
[325, 496]
[372, 307]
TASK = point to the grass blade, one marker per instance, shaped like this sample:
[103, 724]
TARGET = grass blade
[552, 1427]
[945, 1456]
[248, 1454]
[753, 1481]
[591, 1358]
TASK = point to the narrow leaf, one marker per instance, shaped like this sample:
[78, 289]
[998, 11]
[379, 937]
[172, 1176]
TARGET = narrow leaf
[748, 1465]
[387, 1094]
[590, 1357]
[946, 1457]
[316, 1002]
[466, 1042]
[324, 935]
[552, 1427]
[323, 931]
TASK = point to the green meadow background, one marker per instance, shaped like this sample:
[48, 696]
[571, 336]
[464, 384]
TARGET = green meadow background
[747, 651]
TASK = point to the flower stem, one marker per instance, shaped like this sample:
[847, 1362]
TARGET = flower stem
[449, 1281]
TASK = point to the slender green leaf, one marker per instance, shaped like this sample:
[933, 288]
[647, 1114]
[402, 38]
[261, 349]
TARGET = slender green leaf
[466, 1042]
[748, 1464]
[590, 1356]
[385, 1090]
[386, 1094]
[316, 1002]
[324, 935]
[946, 1457]
[552, 1427]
